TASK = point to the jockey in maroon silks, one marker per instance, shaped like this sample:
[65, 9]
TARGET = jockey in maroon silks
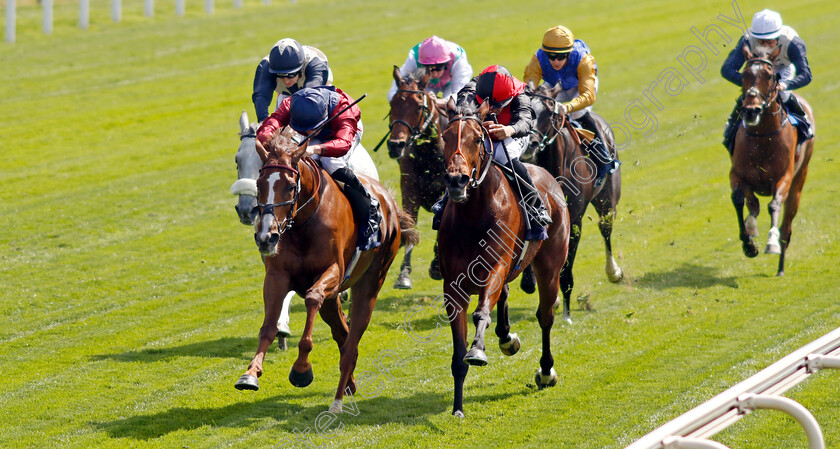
[332, 145]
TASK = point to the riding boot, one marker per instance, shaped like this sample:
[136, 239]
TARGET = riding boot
[365, 208]
[532, 204]
[794, 107]
[731, 127]
[597, 150]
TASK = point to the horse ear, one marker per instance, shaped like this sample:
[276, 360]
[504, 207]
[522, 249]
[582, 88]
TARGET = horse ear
[261, 151]
[483, 110]
[747, 53]
[397, 75]
[451, 109]
[424, 79]
[530, 86]
[244, 124]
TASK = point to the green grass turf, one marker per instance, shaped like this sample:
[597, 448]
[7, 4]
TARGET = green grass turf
[131, 295]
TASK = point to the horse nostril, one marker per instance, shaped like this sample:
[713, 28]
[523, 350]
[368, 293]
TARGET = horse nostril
[456, 180]
[275, 237]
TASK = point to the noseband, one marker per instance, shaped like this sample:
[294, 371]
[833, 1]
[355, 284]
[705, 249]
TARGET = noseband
[486, 155]
[290, 217]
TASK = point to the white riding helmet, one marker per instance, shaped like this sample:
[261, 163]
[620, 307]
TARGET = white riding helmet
[766, 24]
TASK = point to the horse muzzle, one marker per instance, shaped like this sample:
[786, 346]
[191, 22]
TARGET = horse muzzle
[751, 115]
[247, 210]
[396, 148]
[456, 186]
[267, 243]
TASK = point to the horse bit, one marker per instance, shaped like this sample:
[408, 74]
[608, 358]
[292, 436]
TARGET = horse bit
[545, 140]
[415, 133]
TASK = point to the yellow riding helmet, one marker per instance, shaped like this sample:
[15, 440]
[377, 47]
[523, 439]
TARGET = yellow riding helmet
[558, 40]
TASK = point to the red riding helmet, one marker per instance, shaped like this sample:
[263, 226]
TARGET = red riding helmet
[496, 85]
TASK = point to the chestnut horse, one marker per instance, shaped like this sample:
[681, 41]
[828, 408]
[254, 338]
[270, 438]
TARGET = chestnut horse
[764, 160]
[481, 248]
[307, 234]
[416, 143]
[553, 148]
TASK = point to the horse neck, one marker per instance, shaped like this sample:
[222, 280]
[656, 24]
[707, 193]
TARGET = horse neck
[311, 187]
[484, 194]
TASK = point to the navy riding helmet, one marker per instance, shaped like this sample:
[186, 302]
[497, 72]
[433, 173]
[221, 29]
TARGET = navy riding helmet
[285, 57]
[308, 109]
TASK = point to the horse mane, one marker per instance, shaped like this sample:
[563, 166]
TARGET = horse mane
[280, 141]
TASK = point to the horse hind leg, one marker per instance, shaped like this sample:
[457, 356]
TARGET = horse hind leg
[509, 343]
[791, 208]
[567, 279]
[403, 281]
[605, 204]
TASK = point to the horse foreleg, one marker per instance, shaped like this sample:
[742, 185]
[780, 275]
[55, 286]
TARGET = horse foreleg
[547, 279]
[481, 318]
[326, 286]
[508, 343]
[751, 224]
[283, 329]
[458, 322]
[774, 208]
[274, 290]
[747, 243]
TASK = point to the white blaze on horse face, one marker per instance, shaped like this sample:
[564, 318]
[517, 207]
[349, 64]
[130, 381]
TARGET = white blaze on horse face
[268, 219]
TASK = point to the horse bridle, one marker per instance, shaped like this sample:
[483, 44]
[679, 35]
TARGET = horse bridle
[766, 100]
[415, 133]
[486, 156]
[545, 139]
[289, 221]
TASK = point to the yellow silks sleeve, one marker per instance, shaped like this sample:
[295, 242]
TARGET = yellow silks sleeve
[586, 85]
[533, 72]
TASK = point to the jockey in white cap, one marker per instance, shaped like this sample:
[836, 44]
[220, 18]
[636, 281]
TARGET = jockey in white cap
[790, 65]
[446, 62]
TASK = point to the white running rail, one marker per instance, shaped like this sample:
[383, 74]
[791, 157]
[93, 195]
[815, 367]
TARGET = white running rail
[761, 391]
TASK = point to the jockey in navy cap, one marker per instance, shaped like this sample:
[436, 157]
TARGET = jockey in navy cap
[791, 66]
[288, 68]
[306, 112]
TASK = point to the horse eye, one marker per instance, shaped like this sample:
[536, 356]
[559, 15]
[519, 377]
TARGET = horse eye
[290, 188]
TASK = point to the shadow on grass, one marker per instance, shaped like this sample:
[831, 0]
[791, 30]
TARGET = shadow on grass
[687, 275]
[228, 347]
[415, 409]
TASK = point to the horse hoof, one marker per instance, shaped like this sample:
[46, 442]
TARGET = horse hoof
[545, 381]
[616, 276]
[772, 249]
[301, 380]
[510, 347]
[336, 407]
[247, 382]
[476, 357]
[281, 343]
[750, 249]
[458, 414]
[567, 318]
[557, 303]
[403, 283]
[780, 274]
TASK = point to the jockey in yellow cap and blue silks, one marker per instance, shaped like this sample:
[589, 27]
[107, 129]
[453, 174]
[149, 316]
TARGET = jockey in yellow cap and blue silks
[791, 66]
[565, 61]
[447, 64]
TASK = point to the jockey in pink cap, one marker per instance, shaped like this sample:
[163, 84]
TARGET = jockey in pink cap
[446, 62]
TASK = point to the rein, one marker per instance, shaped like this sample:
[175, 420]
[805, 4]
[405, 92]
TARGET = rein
[289, 221]
[415, 132]
[486, 156]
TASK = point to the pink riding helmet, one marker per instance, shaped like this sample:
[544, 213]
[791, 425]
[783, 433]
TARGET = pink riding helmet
[433, 50]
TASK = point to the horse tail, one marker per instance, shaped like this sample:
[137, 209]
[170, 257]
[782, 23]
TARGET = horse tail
[410, 234]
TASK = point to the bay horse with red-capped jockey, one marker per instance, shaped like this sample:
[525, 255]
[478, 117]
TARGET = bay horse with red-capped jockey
[481, 248]
[415, 142]
[767, 159]
[306, 231]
